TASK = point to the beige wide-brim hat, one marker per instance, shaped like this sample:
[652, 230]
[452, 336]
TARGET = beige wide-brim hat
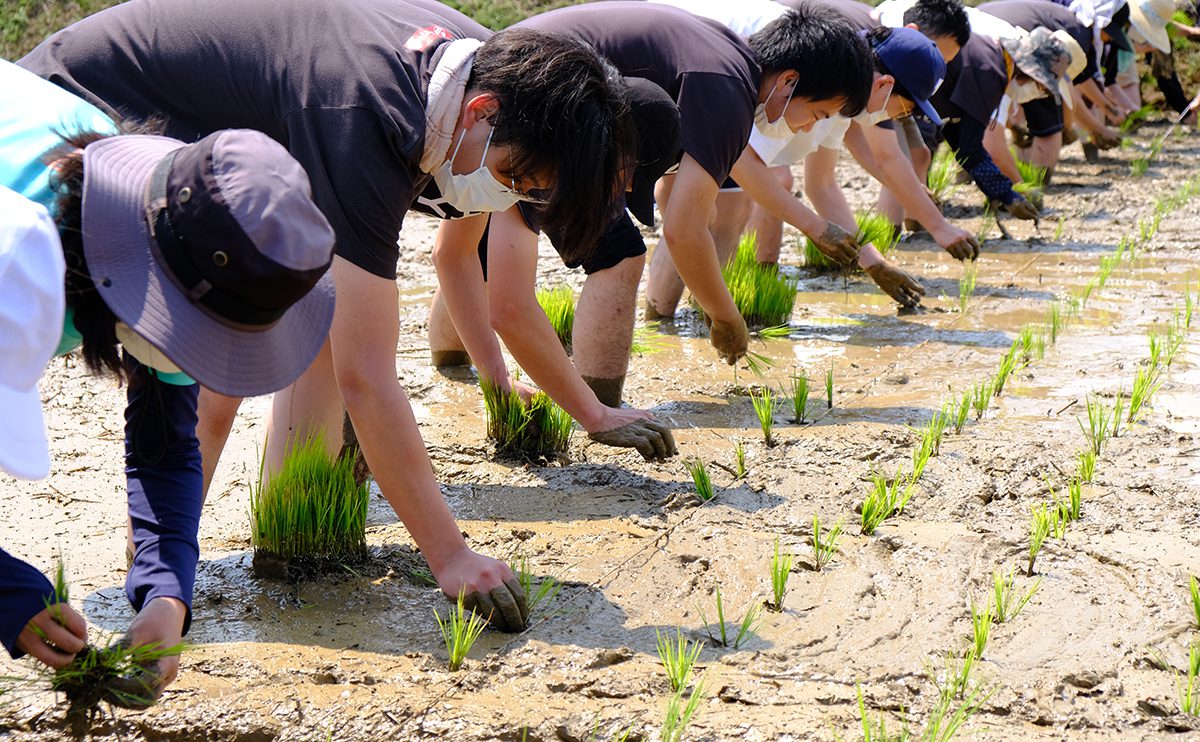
[1150, 18]
[1078, 62]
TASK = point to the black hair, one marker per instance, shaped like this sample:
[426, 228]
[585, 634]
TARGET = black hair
[832, 59]
[875, 37]
[564, 112]
[93, 319]
[940, 18]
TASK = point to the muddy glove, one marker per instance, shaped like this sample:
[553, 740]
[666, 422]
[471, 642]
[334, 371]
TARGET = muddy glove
[504, 606]
[837, 244]
[652, 439]
[896, 283]
[731, 339]
[1022, 209]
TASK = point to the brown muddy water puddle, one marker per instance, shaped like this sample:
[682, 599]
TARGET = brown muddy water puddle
[357, 655]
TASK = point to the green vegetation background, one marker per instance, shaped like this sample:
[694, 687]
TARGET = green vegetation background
[24, 23]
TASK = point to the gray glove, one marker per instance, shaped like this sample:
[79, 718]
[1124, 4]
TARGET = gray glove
[837, 244]
[652, 439]
[897, 284]
[504, 606]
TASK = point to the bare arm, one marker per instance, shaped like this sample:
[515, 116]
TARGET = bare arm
[755, 179]
[822, 189]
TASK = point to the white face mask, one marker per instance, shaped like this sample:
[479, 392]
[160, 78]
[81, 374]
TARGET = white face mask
[882, 114]
[476, 191]
[1024, 92]
[141, 349]
[777, 129]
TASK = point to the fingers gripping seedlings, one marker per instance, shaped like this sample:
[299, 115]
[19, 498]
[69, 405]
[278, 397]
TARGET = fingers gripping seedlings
[764, 409]
[701, 479]
[460, 630]
[678, 657]
[746, 628]
[781, 569]
[825, 547]
[1005, 603]
[799, 384]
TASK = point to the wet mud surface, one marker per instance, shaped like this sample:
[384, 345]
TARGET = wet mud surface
[358, 656]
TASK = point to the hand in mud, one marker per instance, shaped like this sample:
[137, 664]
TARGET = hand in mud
[1021, 208]
[652, 439]
[160, 625]
[1106, 139]
[488, 587]
[53, 636]
[896, 283]
[960, 243]
[837, 244]
[731, 339]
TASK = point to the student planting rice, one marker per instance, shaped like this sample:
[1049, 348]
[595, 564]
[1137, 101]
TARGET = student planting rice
[205, 263]
[376, 99]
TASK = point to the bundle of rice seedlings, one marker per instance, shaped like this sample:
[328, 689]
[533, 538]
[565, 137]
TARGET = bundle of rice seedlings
[538, 430]
[761, 293]
[678, 657]
[701, 479]
[545, 589]
[815, 260]
[559, 305]
[647, 341]
[876, 229]
[459, 631]
[1005, 602]
[1135, 118]
[941, 175]
[312, 512]
[1033, 177]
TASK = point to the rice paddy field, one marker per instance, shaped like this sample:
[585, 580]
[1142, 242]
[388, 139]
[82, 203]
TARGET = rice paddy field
[930, 611]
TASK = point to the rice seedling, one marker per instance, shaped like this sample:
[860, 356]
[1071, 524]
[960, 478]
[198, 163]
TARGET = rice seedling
[1145, 384]
[1008, 366]
[1060, 228]
[824, 547]
[981, 627]
[1135, 119]
[1189, 684]
[544, 591]
[1054, 321]
[90, 677]
[944, 723]
[739, 460]
[460, 630]
[1156, 350]
[312, 509]
[829, 387]
[954, 679]
[962, 409]
[966, 284]
[1075, 498]
[1005, 603]
[1032, 342]
[1097, 429]
[985, 226]
[933, 432]
[799, 396]
[757, 363]
[876, 731]
[1033, 177]
[746, 628]
[1107, 264]
[537, 430]
[1188, 305]
[559, 305]
[1039, 529]
[763, 295]
[781, 570]
[921, 454]
[1138, 167]
[884, 500]
[1086, 467]
[647, 341]
[764, 409]
[701, 479]
[1196, 599]
[1118, 412]
[778, 332]
[680, 713]
[678, 657]
[1086, 292]
[981, 396]
[876, 229]
[1059, 518]
[941, 175]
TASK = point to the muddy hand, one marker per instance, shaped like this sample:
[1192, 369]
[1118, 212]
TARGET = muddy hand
[1021, 208]
[159, 625]
[652, 439]
[837, 244]
[960, 243]
[896, 283]
[731, 339]
[53, 636]
[1106, 140]
[489, 588]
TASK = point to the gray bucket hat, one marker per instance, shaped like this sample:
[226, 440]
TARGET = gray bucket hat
[1041, 56]
[214, 252]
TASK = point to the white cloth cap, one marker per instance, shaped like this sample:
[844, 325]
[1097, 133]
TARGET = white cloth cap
[31, 322]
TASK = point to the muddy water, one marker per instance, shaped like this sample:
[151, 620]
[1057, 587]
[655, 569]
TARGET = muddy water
[357, 655]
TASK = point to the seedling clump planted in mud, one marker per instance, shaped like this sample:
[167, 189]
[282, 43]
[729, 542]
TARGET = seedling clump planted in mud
[680, 714]
[962, 409]
[981, 396]
[829, 387]
[739, 460]
[981, 627]
[884, 500]
[745, 628]
[1195, 584]
[460, 631]
[781, 569]
[678, 657]
[1040, 526]
[966, 284]
[764, 409]
[824, 547]
[312, 509]
[1087, 464]
[546, 589]
[559, 305]
[1005, 603]
[701, 479]
[763, 295]
[540, 429]
[1145, 384]
[799, 396]
[1097, 429]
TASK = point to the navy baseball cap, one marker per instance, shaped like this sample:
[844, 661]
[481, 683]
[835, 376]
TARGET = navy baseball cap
[914, 60]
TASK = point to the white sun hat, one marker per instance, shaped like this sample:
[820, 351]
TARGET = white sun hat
[1150, 19]
[31, 322]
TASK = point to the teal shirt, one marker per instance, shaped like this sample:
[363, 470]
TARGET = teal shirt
[34, 114]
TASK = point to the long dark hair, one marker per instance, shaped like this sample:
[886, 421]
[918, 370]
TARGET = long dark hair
[93, 319]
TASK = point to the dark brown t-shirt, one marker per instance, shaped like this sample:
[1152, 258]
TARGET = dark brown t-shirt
[342, 85]
[706, 69]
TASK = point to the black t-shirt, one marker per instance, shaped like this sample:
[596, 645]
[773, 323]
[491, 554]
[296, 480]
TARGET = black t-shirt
[1029, 14]
[975, 81]
[859, 14]
[342, 85]
[706, 69]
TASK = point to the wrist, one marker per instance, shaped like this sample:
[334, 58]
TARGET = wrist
[440, 557]
[869, 257]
